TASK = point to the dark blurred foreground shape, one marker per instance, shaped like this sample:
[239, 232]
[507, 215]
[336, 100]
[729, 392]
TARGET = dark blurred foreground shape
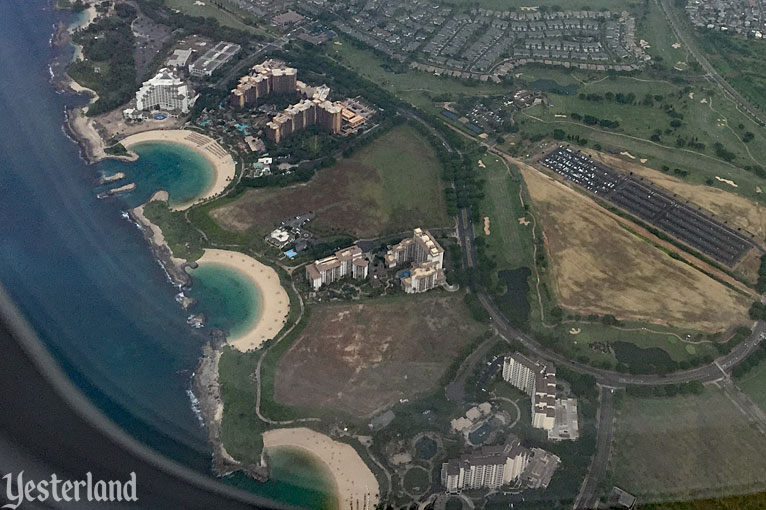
[47, 426]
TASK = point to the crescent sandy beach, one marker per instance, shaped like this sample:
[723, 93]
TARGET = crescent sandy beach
[275, 303]
[221, 161]
[354, 481]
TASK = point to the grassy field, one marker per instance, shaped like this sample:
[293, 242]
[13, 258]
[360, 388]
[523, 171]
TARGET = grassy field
[389, 186]
[599, 267]
[745, 502]
[360, 358]
[225, 12]
[509, 241]
[588, 339]
[715, 120]
[754, 385]
[654, 28]
[415, 87]
[686, 447]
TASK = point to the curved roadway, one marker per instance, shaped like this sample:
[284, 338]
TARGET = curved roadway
[670, 15]
[610, 378]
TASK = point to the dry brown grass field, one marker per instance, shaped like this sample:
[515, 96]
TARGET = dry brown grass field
[360, 358]
[731, 208]
[391, 185]
[600, 267]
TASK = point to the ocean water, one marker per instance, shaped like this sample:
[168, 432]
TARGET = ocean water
[81, 273]
[310, 480]
[181, 171]
[226, 297]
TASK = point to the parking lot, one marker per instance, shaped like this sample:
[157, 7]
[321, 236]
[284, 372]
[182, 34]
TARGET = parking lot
[651, 204]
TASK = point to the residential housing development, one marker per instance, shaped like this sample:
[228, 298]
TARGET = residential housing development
[165, 91]
[538, 380]
[345, 263]
[427, 261]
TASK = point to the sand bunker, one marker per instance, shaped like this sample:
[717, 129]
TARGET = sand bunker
[727, 181]
[643, 160]
[523, 221]
[575, 331]
[486, 225]
[626, 153]
[481, 164]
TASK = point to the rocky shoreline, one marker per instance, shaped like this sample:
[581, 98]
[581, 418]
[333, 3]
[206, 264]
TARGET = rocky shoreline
[205, 383]
[207, 389]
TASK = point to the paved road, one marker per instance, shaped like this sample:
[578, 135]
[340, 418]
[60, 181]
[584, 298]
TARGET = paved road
[746, 406]
[597, 470]
[688, 41]
[253, 58]
[609, 378]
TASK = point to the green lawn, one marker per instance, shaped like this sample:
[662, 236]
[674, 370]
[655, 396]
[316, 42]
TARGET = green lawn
[642, 335]
[654, 29]
[754, 384]
[410, 185]
[225, 12]
[416, 87]
[686, 447]
[509, 241]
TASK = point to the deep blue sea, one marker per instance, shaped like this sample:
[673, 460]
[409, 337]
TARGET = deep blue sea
[83, 274]
[80, 272]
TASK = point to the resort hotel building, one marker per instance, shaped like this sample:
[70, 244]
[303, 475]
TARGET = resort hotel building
[427, 261]
[165, 91]
[488, 467]
[264, 79]
[302, 115]
[539, 382]
[345, 263]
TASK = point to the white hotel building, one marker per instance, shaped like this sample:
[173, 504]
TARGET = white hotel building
[165, 91]
[488, 467]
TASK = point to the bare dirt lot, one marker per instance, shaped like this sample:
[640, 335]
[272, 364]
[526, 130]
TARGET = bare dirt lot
[389, 186]
[600, 267]
[362, 358]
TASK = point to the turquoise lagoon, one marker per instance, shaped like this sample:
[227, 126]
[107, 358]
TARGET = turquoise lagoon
[181, 171]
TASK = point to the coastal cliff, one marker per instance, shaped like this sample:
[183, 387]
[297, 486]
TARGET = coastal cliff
[208, 392]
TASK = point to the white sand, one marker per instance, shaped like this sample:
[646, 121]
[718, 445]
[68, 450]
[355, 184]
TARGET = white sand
[353, 479]
[221, 161]
[727, 181]
[275, 303]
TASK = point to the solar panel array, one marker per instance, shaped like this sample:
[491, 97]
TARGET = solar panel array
[653, 205]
